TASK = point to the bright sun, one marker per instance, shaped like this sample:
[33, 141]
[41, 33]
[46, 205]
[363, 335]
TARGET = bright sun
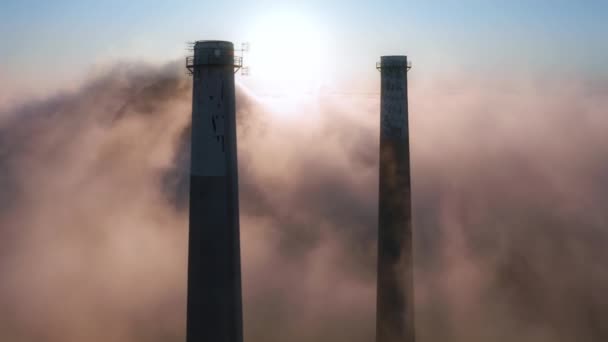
[286, 53]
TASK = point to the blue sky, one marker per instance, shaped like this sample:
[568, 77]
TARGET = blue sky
[57, 41]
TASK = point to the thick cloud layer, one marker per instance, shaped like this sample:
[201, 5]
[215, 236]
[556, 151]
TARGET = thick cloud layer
[510, 189]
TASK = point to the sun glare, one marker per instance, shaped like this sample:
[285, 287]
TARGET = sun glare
[286, 53]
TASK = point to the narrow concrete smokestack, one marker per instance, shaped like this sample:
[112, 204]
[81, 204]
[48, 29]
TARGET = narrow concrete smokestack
[214, 267]
[395, 299]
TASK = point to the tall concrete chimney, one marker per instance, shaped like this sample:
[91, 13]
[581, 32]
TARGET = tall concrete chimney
[214, 266]
[395, 294]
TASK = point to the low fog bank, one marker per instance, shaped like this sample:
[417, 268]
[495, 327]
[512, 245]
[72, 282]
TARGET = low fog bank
[509, 192]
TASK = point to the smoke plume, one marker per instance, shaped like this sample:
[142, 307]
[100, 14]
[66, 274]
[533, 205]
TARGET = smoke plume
[510, 193]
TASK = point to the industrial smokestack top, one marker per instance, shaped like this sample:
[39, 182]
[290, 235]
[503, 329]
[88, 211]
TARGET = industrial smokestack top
[395, 298]
[393, 61]
[398, 62]
[213, 52]
[214, 261]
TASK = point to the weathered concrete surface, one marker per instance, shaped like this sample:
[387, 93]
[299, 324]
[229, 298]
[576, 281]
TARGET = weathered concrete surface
[214, 267]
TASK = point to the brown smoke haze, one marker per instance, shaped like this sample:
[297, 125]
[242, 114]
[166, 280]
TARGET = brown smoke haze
[510, 195]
